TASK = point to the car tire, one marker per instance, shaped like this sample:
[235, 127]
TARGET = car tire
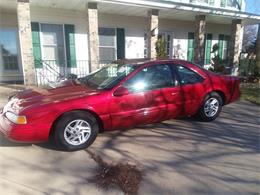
[75, 130]
[211, 107]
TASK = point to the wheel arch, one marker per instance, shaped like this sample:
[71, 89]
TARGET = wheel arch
[221, 94]
[100, 123]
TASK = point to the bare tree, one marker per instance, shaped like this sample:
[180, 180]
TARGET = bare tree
[249, 39]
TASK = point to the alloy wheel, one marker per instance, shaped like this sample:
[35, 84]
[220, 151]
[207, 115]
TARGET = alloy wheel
[77, 132]
[211, 107]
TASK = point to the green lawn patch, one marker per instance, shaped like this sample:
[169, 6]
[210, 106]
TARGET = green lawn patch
[251, 92]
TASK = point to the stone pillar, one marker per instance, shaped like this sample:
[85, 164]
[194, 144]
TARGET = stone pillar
[199, 54]
[258, 48]
[25, 38]
[235, 45]
[93, 36]
[153, 29]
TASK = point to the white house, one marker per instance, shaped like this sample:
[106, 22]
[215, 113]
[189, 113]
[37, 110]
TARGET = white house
[43, 39]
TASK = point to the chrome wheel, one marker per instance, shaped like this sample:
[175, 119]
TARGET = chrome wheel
[211, 107]
[77, 132]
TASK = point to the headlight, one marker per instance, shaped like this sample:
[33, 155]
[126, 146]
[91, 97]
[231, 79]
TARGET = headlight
[15, 119]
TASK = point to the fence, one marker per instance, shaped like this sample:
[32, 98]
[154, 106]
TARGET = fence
[52, 71]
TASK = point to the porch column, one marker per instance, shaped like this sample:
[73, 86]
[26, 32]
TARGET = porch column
[235, 45]
[93, 36]
[258, 47]
[153, 29]
[25, 38]
[200, 23]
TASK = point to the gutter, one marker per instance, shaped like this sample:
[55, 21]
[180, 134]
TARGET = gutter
[167, 5]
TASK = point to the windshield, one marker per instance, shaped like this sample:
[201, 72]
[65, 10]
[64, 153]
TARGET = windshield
[108, 76]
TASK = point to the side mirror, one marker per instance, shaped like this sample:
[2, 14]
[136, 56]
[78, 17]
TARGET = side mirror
[121, 91]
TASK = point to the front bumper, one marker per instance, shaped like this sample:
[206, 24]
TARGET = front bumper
[20, 133]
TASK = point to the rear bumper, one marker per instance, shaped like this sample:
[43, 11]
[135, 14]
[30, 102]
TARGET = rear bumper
[20, 133]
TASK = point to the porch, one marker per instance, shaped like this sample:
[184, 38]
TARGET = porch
[77, 37]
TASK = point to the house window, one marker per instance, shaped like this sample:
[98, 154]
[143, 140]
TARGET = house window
[231, 3]
[107, 44]
[8, 49]
[203, 2]
[223, 44]
[52, 43]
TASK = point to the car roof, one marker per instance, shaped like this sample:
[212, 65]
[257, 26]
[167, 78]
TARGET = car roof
[141, 61]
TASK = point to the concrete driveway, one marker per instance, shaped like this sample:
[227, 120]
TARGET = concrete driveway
[176, 157]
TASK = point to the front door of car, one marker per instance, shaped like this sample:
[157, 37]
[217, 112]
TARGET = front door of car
[192, 89]
[147, 99]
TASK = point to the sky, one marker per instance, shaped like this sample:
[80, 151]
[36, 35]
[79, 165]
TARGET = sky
[253, 6]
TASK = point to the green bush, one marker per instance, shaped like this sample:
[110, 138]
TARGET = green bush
[161, 51]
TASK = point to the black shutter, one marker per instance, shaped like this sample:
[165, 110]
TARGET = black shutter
[120, 41]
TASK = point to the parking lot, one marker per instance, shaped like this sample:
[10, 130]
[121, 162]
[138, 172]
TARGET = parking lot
[181, 156]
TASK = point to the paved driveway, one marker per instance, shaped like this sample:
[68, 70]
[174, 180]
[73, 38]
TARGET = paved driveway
[176, 157]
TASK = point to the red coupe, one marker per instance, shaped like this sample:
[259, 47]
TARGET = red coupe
[118, 96]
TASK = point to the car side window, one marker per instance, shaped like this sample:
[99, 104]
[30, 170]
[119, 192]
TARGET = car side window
[149, 78]
[188, 76]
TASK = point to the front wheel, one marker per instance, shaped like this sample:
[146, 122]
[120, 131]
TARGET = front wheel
[210, 108]
[75, 130]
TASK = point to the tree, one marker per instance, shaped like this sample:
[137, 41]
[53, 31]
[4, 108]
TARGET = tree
[249, 40]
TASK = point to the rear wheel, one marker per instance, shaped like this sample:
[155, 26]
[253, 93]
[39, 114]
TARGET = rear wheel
[210, 108]
[75, 130]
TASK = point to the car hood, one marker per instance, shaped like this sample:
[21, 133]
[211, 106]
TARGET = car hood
[66, 90]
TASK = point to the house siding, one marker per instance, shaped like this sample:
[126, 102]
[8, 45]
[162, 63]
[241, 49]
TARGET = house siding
[134, 27]
[76, 18]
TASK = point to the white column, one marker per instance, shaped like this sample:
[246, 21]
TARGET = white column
[200, 24]
[235, 42]
[153, 29]
[93, 36]
[25, 38]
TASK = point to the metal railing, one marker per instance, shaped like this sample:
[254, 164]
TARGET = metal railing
[49, 72]
[53, 71]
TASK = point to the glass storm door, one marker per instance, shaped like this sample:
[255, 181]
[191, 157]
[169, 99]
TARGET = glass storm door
[168, 38]
[52, 39]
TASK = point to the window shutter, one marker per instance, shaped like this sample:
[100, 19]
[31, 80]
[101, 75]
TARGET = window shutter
[190, 54]
[227, 39]
[223, 3]
[70, 45]
[208, 48]
[120, 41]
[220, 45]
[36, 44]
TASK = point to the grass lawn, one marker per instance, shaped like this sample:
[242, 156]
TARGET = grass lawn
[251, 92]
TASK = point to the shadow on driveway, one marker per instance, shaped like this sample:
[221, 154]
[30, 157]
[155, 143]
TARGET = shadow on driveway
[185, 156]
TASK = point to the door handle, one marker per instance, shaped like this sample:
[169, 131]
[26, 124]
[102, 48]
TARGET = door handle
[174, 93]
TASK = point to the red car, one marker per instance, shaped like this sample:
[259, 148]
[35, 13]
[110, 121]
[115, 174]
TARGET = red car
[118, 96]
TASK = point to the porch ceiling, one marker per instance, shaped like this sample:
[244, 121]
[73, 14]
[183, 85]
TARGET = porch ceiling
[131, 9]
